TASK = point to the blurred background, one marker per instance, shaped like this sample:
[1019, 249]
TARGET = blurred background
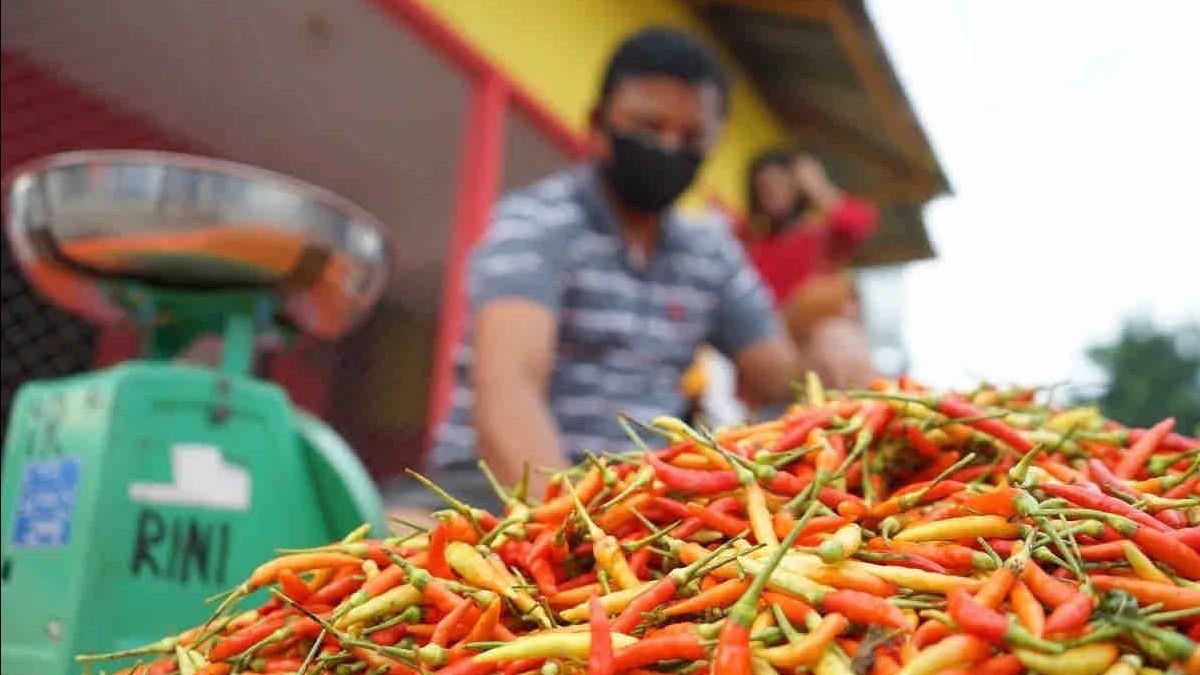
[1033, 164]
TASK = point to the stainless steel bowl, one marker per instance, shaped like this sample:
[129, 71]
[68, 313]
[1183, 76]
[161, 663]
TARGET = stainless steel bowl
[78, 221]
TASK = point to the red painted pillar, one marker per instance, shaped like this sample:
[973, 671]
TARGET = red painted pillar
[481, 160]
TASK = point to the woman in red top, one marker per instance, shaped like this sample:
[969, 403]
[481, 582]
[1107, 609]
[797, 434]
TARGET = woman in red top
[801, 236]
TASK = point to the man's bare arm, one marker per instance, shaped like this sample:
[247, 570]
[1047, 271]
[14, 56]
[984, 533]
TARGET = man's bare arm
[767, 368]
[514, 355]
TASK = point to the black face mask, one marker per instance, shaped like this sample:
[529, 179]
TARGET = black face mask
[646, 176]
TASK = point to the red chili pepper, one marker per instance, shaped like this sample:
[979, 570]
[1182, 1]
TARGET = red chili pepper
[1172, 442]
[937, 492]
[1001, 664]
[1184, 489]
[1173, 518]
[688, 527]
[863, 608]
[662, 591]
[453, 623]
[693, 480]
[272, 604]
[293, 586]
[952, 556]
[435, 564]
[523, 666]
[931, 470]
[997, 502]
[543, 547]
[554, 510]
[1071, 616]
[833, 498]
[1165, 548]
[725, 524]
[242, 640]
[671, 508]
[1190, 536]
[876, 416]
[390, 635]
[1090, 498]
[600, 658]
[660, 647]
[1133, 460]
[389, 578]
[924, 447]
[576, 582]
[1046, 588]
[972, 617]
[957, 408]
[1109, 550]
[732, 656]
[1104, 477]
[1005, 547]
[731, 505]
[975, 472]
[796, 434]
[639, 562]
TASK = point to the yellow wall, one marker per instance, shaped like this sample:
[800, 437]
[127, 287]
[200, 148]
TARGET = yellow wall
[557, 49]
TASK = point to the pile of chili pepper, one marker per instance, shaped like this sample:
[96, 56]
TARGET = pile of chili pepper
[891, 530]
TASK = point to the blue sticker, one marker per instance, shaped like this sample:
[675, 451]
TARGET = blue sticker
[46, 503]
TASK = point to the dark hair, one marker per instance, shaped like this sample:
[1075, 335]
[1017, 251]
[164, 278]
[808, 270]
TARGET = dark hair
[774, 157]
[664, 51]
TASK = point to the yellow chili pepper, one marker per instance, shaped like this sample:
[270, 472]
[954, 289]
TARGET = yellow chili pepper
[963, 527]
[392, 601]
[762, 621]
[690, 460]
[562, 644]
[832, 663]
[956, 650]
[760, 516]
[1086, 660]
[606, 549]
[809, 648]
[472, 566]
[1078, 419]
[787, 581]
[918, 580]
[841, 545]
[813, 389]
[760, 667]
[1126, 665]
[1143, 566]
[938, 437]
[612, 603]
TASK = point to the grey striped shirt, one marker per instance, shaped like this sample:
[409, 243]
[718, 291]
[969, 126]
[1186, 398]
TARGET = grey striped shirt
[626, 332]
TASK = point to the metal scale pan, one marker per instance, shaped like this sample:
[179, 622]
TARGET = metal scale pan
[80, 221]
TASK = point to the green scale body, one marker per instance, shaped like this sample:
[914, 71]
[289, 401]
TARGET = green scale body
[132, 494]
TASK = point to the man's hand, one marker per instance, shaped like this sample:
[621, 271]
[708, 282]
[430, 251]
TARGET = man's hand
[841, 353]
[514, 355]
[766, 370]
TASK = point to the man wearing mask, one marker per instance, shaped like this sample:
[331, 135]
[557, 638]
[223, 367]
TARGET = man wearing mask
[589, 294]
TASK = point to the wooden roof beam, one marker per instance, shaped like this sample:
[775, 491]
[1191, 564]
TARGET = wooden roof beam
[809, 10]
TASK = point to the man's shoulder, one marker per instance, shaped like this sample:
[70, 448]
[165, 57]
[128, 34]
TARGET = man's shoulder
[708, 235]
[552, 201]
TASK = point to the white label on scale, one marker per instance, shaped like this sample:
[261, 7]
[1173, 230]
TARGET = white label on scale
[200, 478]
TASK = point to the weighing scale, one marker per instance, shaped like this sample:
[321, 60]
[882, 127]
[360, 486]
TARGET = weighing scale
[131, 494]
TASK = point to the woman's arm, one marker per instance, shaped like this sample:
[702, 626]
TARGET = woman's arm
[846, 221]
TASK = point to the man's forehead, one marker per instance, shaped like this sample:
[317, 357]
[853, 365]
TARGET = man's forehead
[639, 88]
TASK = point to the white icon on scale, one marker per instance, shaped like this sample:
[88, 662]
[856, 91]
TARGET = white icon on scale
[201, 478]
